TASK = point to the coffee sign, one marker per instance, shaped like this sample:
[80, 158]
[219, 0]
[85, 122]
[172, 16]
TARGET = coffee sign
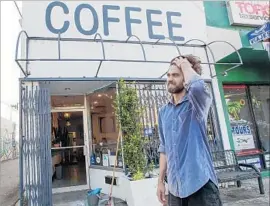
[248, 13]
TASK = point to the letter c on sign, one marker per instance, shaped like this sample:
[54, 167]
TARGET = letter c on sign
[49, 15]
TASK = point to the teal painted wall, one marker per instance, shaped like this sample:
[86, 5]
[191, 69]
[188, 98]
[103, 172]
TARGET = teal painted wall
[216, 15]
[248, 74]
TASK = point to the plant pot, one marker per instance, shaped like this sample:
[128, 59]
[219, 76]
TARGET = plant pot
[143, 193]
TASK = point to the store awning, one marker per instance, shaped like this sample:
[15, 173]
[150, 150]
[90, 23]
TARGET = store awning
[75, 87]
[97, 57]
[249, 56]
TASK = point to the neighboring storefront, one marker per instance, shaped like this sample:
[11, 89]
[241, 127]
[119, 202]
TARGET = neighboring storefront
[245, 90]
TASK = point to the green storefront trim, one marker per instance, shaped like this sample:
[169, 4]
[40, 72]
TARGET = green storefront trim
[265, 173]
[256, 62]
[227, 120]
[254, 71]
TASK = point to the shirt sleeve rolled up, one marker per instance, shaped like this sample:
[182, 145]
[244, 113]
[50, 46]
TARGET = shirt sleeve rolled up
[161, 148]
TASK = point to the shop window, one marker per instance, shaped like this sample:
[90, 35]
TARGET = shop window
[248, 108]
[261, 105]
[243, 129]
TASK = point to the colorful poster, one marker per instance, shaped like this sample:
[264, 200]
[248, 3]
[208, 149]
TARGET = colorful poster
[243, 138]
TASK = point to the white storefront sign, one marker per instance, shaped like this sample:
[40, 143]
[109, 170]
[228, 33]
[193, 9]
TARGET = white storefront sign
[243, 138]
[248, 13]
[113, 21]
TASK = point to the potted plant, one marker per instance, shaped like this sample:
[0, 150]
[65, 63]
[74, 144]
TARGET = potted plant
[128, 113]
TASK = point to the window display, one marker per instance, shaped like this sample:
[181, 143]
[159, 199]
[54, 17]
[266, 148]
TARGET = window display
[248, 109]
[104, 130]
[261, 105]
[243, 130]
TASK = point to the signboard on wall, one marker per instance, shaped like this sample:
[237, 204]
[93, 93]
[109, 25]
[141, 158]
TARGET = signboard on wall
[248, 13]
[259, 34]
[243, 138]
[115, 20]
[78, 21]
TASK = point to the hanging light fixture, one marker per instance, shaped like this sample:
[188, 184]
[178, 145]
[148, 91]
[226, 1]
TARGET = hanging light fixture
[67, 115]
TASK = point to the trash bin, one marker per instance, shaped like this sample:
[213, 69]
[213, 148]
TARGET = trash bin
[58, 171]
[93, 197]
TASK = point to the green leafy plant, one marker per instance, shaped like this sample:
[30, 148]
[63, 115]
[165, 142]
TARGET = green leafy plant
[128, 113]
[234, 109]
[138, 176]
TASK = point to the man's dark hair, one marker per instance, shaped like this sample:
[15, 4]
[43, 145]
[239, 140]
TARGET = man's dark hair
[194, 61]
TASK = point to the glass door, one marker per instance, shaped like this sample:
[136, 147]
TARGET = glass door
[69, 150]
[103, 129]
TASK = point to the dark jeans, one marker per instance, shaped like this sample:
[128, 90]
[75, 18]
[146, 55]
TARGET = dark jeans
[208, 195]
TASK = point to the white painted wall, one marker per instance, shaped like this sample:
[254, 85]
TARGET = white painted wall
[222, 49]
[10, 72]
[135, 193]
[97, 180]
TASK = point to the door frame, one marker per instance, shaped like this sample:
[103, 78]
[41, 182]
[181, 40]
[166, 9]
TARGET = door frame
[85, 146]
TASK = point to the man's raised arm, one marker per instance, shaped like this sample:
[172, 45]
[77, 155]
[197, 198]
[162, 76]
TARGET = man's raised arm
[197, 89]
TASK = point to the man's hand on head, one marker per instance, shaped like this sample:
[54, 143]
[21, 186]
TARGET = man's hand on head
[182, 63]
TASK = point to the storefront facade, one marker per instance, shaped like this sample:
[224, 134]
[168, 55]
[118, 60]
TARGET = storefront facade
[245, 90]
[72, 56]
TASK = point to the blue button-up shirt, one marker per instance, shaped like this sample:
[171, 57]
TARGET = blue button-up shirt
[183, 139]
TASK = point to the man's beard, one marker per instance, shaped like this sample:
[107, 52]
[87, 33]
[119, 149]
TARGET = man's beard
[176, 89]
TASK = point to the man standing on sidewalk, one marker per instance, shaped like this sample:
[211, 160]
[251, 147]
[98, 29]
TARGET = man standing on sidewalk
[184, 151]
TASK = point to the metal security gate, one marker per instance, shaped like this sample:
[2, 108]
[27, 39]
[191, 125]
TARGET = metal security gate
[152, 96]
[35, 148]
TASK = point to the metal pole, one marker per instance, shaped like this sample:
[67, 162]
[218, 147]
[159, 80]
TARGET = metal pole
[59, 46]
[20, 145]
[121, 136]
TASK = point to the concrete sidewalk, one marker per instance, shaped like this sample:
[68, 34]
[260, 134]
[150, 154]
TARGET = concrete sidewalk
[247, 195]
[9, 182]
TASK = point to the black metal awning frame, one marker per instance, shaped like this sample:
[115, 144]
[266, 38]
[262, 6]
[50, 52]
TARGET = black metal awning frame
[98, 38]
